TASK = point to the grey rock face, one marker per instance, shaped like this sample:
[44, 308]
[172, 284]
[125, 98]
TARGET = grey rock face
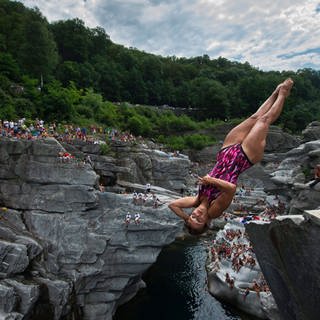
[8, 299]
[137, 163]
[312, 131]
[280, 141]
[288, 254]
[28, 294]
[65, 249]
[14, 258]
[155, 167]
[291, 176]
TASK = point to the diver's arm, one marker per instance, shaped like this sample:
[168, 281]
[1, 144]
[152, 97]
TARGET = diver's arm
[222, 185]
[224, 199]
[187, 202]
[220, 204]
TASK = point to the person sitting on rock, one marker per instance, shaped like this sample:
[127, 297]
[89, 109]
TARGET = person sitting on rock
[231, 283]
[227, 279]
[316, 176]
[246, 293]
[140, 199]
[147, 188]
[137, 218]
[128, 219]
[156, 201]
[242, 148]
[256, 287]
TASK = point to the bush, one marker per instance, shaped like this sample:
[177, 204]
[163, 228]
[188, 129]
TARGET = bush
[105, 149]
[139, 125]
[197, 141]
[84, 111]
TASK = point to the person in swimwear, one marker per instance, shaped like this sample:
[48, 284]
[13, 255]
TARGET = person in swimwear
[242, 148]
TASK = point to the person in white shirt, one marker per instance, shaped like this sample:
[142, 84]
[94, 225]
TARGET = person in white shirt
[137, 218]
[128, 219]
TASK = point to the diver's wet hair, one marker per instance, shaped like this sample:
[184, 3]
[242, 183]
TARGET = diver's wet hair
[196, 232]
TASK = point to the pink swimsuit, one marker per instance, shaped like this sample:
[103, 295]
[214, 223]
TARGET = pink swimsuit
[231, 161]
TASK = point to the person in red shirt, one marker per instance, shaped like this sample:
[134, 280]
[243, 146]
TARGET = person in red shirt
[316, 176]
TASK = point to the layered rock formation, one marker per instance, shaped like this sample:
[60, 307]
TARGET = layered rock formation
[287, 250]
[136, 163]
[294, 173]
[64, 248]
[311, 132]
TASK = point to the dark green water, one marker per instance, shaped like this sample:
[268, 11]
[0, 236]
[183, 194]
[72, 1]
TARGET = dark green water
[176, 289]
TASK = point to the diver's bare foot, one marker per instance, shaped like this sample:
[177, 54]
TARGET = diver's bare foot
[285, 87]
[277, 89]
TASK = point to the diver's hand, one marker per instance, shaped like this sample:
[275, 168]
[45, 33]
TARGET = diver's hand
[205, 180]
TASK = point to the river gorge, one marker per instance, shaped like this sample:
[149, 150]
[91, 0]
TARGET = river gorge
[66, 252]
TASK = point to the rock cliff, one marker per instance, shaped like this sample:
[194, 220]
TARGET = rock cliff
[287, 251]
[293, 174]
[65, 250]
[136, 163]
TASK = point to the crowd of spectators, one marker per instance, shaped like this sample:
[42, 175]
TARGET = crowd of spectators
[146, 199]
[23, 130]
[26, 129]
[234, 247]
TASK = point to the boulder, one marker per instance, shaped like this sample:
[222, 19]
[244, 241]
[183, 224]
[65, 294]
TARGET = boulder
[14, 258]
[311, 132]
[287, 251]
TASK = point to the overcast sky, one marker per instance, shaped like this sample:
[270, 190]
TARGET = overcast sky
[271, 35]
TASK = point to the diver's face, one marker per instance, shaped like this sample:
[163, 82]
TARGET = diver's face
[198, 218]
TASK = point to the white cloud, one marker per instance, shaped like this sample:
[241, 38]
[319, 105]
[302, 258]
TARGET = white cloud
[271, 35]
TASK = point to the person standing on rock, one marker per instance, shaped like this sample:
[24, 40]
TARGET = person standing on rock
[242, 148]
[316, 176]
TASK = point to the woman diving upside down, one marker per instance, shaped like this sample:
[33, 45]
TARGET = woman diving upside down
[242, 148]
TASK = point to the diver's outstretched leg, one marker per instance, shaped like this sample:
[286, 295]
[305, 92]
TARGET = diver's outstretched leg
[238, 133]
[255, 141]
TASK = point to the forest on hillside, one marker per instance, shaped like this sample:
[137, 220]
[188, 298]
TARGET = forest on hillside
[66, 72]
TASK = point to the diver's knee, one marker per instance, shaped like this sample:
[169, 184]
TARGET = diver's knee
[254, 117]
[265, 119]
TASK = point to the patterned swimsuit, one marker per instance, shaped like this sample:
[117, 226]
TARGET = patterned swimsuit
[231, 161]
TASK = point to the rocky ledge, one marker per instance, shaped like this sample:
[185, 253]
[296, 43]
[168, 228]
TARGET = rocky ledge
[288, 253]
[65, 251]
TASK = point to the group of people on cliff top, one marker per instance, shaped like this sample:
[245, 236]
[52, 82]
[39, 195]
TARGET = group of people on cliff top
[146, 199]
[31, 130]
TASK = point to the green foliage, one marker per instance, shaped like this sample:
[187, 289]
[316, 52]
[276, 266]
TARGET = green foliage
[7, 109]
[108, 114]
[139, 125]
[84, 111]
[60, 102]
[8, 66]
[83, 70]
[197, 141]
[105, 149]
[194, 141]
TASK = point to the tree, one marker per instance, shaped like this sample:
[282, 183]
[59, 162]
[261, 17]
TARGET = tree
[73, 40]
[59, 102]
[9, 67]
